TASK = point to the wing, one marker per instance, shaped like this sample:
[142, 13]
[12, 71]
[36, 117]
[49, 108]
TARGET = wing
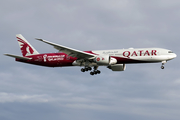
[69, 51]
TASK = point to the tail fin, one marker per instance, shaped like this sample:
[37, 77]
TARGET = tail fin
[25, 46]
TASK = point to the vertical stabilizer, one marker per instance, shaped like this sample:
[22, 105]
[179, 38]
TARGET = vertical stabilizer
[25, 46]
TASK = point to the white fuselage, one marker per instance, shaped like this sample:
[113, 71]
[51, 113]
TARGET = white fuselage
[140, 54]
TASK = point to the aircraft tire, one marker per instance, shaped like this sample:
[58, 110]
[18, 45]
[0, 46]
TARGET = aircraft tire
[86, 69]
[82, 70]
[98, 72]
[162, 67]
[89, 68]
[92, 73]
[95, 72]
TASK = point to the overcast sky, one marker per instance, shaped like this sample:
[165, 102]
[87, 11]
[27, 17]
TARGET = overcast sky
[141, 92]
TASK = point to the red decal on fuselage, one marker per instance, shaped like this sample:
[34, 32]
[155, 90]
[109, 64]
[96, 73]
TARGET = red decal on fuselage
[50, 60]
[126, 54]
[153, 52]
[146, 53]
[139, 53]
[134, 53]
[98, 59]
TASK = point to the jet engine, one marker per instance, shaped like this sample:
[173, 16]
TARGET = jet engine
[117, 67]
[105, 60]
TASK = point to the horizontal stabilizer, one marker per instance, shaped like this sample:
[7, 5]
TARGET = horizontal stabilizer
[19, 57]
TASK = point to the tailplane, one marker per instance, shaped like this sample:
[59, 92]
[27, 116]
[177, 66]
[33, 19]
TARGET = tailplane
[25, 46]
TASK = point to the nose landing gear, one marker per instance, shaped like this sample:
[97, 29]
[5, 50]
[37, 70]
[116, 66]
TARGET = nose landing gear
[162, 66]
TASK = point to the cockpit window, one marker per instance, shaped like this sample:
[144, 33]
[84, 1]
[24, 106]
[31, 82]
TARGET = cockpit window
[170, 52]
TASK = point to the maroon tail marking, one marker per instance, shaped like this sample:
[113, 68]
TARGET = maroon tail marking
[24, 46]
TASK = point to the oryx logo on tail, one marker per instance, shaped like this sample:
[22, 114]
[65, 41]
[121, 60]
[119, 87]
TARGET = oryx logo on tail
[25, 46]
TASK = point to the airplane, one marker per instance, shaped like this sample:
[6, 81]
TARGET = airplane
[115, 60]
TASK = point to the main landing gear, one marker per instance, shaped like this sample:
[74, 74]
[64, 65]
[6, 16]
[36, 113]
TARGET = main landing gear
[94, 72]
[162, 66]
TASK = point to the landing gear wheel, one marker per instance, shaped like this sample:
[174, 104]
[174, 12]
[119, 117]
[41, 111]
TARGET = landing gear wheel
[98, 72]
[89, 68]
[86, 69]
[82, 70]
[91, 73]
[162, 67]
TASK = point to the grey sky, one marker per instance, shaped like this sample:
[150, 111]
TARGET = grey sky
[143, 91]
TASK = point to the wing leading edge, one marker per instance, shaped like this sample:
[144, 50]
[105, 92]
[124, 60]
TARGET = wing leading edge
[70, 51]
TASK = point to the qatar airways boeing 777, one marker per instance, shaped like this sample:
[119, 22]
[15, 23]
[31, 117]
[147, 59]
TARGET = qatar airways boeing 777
[115, 60]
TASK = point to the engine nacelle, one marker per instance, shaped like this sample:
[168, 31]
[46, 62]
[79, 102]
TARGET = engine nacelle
[105, 60]
[117, 67]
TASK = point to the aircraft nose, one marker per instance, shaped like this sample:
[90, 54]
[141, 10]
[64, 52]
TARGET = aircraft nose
[174, 56]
